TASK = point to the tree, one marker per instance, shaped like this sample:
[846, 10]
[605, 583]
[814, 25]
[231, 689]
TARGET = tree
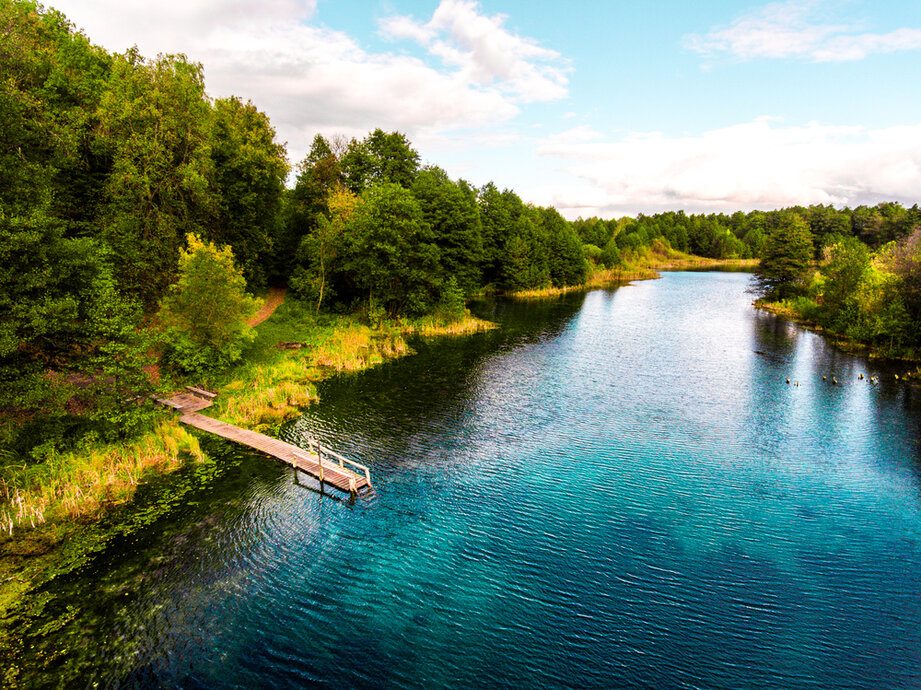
[450, 210]
[69, 344]
[390, 254]
[249, 176]
[498, 212]
[381, 157]
[319, 174]
[610, 255]
[205, 312]
[845, 263]
[787, 257]
[566, 258]
[321, 248]
[154, 125]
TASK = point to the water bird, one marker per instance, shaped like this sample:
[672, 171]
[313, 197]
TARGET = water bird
[788, 380]
[834, 381]
[860, 378]
[896, 377]
[825, 378]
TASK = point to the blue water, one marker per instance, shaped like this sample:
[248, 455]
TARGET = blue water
[615, 490]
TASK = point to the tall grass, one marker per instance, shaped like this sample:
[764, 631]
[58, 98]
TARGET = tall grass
[270, 386]
[446, 325]
[79, 483]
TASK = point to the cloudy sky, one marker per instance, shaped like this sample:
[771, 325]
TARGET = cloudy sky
[596, 107]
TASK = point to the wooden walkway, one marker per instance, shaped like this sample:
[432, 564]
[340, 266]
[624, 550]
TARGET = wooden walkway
[321, 463]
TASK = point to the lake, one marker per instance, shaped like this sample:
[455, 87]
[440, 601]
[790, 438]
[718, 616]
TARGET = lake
[616, 489]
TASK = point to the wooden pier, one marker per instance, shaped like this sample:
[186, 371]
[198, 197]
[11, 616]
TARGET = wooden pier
[325, 465]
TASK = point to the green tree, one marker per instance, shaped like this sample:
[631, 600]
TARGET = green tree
[610, 255]
[69, 342]
[390, 255]
[787, 258]
[450, 210]
[319, 174]
[381, 157]
[499, 212]
[154, 124]
[565, 258]
[846, 261]
[205, 313]
[249, 175]
[319, 251]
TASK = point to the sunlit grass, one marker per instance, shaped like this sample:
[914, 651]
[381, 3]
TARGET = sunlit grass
[79, 483]
[272, 385]
[436, 325]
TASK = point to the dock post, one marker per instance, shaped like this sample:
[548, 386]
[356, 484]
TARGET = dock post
[352, 488]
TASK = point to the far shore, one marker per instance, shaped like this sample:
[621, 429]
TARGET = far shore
[646, 269]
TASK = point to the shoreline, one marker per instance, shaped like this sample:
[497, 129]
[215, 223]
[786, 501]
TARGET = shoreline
[838, 340]
[59, 522]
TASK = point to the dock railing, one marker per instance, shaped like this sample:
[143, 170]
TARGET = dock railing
[341, 460]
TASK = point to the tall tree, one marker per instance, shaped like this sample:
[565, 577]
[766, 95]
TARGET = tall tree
[787, 257]
[249, 175]
[320, 250]
[450, 210]
[390, 254]
[154, 123]
[381, 157]
[566, 258]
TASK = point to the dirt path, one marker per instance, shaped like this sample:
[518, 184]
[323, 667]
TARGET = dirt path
[275, 297]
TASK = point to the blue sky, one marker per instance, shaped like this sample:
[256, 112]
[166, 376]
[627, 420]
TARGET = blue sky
[597, 108]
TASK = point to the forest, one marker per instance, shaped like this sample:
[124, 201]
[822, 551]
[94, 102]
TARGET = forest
[127, 194]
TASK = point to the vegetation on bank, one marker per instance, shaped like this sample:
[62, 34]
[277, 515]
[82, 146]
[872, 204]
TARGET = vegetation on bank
[49, 504]
[863, 294]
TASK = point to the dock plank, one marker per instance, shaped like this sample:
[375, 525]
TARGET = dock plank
[189, 403]
[300, 458]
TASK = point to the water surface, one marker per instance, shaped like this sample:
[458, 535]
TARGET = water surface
[617, 489]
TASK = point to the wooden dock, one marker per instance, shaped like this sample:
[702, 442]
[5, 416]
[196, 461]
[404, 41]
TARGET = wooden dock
[325, 465]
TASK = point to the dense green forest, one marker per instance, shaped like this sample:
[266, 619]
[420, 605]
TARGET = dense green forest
[124, 189]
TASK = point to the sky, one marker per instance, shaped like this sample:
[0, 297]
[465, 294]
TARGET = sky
[601, 107]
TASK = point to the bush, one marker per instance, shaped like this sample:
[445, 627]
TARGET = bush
[206, 312]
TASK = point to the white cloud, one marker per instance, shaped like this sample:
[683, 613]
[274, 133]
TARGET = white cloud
[794, 29]
[484, 52]
[758, 164]
[310, 78]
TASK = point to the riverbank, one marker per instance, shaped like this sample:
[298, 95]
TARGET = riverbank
[643, 264]
[789, 310]
[50, 506]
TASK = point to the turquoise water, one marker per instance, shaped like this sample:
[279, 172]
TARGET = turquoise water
[617, 489]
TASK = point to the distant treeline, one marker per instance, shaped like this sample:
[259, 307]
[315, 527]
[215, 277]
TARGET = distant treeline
[743, 235]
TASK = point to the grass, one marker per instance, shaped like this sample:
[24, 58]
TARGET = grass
[441, 325]
[81, 483]
[270, 385]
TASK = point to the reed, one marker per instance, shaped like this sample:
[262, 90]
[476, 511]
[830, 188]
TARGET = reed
[80, 483]
[439, 326]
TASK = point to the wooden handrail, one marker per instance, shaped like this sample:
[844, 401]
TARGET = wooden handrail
[341, 458]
